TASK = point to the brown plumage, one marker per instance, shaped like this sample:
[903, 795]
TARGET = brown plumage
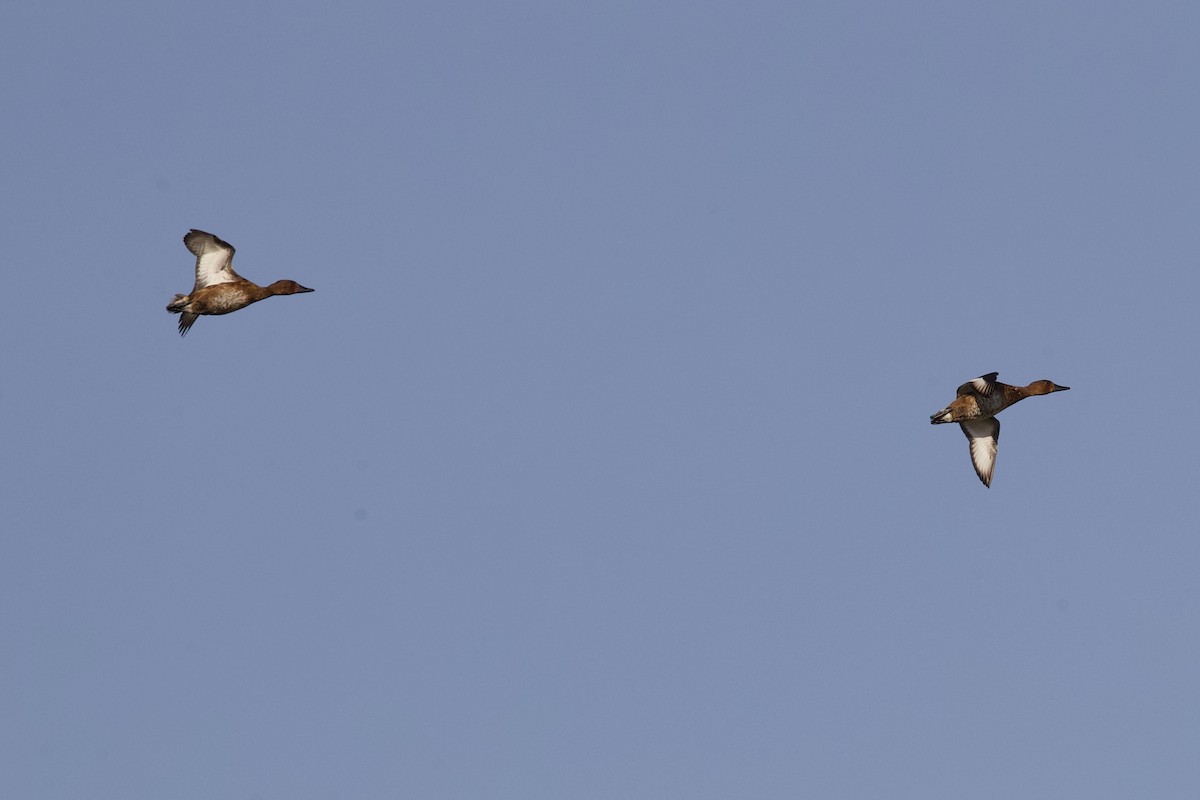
[218, 289]
[975, 409]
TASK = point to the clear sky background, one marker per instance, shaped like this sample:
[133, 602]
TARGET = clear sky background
[599, 464]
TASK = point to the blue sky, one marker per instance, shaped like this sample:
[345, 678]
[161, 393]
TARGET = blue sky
[598, 465]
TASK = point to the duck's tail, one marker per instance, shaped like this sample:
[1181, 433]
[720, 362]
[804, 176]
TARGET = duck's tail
[179, 306]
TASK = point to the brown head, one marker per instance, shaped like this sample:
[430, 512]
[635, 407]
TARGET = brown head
[1044, 387]
[287, 287]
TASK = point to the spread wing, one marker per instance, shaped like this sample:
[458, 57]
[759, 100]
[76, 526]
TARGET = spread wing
[214, 259]
[983, 434]
[982, 385]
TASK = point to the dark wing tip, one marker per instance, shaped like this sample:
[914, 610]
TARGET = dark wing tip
[195, 238]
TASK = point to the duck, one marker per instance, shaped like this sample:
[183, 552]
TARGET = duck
[218, 289]
[975, 409]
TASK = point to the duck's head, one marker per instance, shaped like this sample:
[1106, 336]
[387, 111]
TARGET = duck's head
[1044, 387]
[288, 287]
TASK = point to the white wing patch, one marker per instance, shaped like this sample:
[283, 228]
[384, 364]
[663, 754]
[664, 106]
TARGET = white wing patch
[213, 267]
[984, 383]
[214, 259]
[984, 435]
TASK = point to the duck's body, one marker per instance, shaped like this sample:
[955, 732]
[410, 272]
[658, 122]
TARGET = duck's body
[218, 289]
[975, 409]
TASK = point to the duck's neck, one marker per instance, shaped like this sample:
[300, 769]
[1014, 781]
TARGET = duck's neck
[258, 292]
[1014, 394]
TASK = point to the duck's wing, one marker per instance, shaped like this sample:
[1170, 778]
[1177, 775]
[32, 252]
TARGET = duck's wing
[214, 259]
[983, 434]
[186, 321]
[982, 385]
